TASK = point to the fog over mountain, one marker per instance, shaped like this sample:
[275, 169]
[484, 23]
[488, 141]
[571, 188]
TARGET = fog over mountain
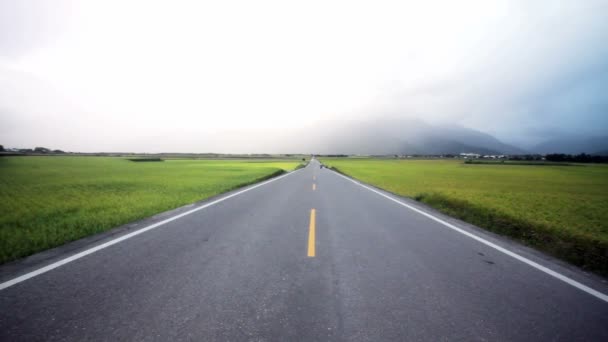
[397, 136]
[574, 145]
[375, 77]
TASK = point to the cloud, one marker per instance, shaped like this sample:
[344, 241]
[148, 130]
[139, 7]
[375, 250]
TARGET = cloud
[30, 24]
[172, 74]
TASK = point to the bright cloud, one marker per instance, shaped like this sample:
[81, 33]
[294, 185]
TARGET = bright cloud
[146, 75]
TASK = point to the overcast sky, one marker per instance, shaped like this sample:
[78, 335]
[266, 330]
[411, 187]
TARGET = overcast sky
[212, 76]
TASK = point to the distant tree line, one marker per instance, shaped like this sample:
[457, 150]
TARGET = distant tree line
[578, 158]
[36, 150]
[44, 150]
[527, 157]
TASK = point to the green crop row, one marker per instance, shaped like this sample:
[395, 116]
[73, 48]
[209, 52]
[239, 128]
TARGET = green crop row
[48, 201]
[562, 210]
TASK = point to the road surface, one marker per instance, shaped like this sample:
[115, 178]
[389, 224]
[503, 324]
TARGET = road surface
[311, 256]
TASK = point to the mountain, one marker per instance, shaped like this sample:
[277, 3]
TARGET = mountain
[574, 145]
[399, 136]
[601, 153]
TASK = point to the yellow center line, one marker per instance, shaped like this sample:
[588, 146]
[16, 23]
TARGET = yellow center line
[314, 186]
[311, 233]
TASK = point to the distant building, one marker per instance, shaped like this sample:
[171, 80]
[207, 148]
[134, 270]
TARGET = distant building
[469, 155]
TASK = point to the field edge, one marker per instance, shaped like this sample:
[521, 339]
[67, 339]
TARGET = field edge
[33, 251]
[588, 253]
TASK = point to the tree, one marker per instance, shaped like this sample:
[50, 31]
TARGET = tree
[42, 150]
[1, 148]
[579, 158]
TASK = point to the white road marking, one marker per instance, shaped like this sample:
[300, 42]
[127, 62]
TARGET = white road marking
[538, 266]
[77, 256]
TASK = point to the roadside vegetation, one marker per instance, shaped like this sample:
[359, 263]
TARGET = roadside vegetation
[517, 162]
[562, 210]
[48, 201]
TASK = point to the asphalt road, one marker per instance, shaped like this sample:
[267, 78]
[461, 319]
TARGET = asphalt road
[259, 267]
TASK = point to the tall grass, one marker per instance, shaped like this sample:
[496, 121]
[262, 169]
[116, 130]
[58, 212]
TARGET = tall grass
[48, 201]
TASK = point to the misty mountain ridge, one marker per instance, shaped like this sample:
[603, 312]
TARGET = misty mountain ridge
[402, 136]
[574, 145]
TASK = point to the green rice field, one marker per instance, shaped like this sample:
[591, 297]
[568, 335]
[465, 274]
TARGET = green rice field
[562, 210]
[48, 201]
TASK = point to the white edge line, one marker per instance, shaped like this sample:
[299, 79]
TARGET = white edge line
[77, 256]
[538, 266]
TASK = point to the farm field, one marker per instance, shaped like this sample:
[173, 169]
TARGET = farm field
[562, 210]
[48, 201]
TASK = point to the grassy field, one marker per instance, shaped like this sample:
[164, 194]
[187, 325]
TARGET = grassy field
[562, 210]
[48, 201]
